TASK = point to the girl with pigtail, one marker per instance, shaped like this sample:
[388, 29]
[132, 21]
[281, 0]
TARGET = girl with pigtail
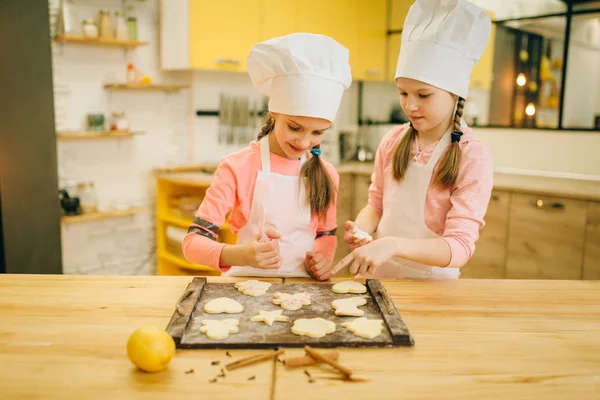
[433, 178]
[280, 193]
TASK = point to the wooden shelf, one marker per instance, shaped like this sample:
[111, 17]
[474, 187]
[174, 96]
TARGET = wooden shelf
[185, 222]
[112, 42]
[140, 86]
[184, 263]
[100, 215]
[95, 134]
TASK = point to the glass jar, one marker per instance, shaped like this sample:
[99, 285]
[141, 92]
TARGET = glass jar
[121, 31]
[106, 27]
[132, 28]
[90, 29]
[119, 123]
[87, 197]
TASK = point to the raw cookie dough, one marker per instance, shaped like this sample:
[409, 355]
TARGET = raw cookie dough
[291, 302]
[359, 234]
[223, 305]
[218, 329]
[268, 317]
[313, 327]
[349, 287]
[253, 287]
[365, 328]
[348, 307]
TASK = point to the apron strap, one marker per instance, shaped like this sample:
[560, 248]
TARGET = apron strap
[265, 155]
[439, 149]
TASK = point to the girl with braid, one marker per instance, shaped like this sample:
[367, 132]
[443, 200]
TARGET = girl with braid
[279, 190]
[433, 177]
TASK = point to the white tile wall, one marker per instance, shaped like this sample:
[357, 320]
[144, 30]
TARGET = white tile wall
[120, 168]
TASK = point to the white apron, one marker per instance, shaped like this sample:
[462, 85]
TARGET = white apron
[404, 216]
[280, 201]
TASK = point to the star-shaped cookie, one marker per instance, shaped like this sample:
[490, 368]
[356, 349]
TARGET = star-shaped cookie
[268, 317]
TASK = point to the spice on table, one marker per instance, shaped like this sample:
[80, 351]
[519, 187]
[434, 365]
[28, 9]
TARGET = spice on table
[253, 360]
[318, 356]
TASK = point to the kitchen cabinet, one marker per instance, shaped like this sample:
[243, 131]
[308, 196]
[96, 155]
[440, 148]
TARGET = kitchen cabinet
[393, 50]
[397, 13]
[345, 212]
[591, 261]
[368, 58]
[482, 74]
[277, 18]
[361, 193]
[200, 34]
[335, 18]
[222, 32]
[489, 259]
[546, 237]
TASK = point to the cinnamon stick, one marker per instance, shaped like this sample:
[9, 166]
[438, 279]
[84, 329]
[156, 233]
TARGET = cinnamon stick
[253, 360]
[304, 361]
[318, 356]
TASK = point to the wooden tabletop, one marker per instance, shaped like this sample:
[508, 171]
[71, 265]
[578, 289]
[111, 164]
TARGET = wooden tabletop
[65, 337]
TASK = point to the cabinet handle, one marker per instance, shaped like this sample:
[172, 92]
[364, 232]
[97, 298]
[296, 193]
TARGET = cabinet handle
[230, 61]
[539, 203]
[495, 197]
[372, 72]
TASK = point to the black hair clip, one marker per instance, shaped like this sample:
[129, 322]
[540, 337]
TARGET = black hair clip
[455, 136]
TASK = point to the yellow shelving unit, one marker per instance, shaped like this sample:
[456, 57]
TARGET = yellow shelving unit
[170, 187]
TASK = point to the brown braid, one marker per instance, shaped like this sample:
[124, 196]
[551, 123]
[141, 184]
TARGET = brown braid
[450, 164]
[267, 127]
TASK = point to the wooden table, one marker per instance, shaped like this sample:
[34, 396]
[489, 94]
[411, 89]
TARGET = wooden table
[65, 337]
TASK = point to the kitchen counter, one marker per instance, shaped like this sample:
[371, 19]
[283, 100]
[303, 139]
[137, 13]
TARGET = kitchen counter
[578, 189]
[65, 336]
[203, 179]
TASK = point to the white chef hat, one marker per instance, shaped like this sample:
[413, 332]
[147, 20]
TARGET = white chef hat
[441, 42]
[303, 74]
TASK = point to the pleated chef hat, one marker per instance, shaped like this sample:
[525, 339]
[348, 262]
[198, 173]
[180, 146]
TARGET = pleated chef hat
[303, 74]
[442, 40]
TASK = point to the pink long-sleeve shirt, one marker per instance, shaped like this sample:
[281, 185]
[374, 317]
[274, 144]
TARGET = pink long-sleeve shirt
[455, 214]
[232, 189]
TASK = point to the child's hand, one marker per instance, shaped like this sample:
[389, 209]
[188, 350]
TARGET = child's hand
[264, 255]
[367, 259]
[354, 236]
[317, 266]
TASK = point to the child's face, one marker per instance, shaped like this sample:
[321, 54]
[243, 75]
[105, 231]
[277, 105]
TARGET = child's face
[425, 105]
[297, 135]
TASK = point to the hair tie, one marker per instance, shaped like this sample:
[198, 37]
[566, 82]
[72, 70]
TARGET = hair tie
[315, 152]
[455, 136]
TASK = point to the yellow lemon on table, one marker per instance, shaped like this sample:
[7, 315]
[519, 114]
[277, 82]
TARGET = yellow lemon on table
[150, 348]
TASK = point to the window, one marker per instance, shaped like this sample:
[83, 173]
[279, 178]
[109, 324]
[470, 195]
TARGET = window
[546, 66]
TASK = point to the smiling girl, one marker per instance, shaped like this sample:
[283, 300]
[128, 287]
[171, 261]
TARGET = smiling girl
[280, 192]
[433, 177]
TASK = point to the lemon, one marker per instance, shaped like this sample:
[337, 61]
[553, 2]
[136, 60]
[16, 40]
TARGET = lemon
[150, 348]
